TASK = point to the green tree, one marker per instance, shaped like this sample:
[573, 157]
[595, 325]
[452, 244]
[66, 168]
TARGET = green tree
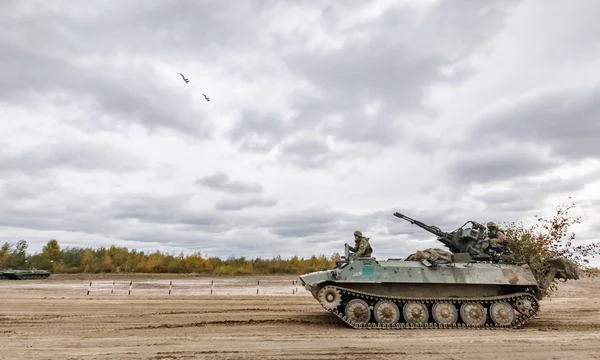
[52, 251]
[5, 252]
[19, 255]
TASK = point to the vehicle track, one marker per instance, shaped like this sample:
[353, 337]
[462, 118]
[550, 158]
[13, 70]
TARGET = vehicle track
[517, 316]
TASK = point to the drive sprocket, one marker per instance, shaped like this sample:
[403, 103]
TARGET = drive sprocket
[330, 297]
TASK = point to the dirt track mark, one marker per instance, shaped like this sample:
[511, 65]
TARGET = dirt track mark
[297, 320]
[200, 312]
[254, 355]
[565, 327]
[38, 319]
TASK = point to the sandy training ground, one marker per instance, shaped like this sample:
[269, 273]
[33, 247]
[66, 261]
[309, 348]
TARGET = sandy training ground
[57, 319]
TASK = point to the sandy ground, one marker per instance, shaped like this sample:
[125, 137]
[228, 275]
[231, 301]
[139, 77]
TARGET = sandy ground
[56, 319]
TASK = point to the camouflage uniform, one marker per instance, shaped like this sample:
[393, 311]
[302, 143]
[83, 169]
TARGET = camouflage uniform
[362, 247]
[496, 237]
[493, 239]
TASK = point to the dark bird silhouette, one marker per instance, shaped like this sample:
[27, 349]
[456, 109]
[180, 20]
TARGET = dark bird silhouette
[184, 79]
[206, 97]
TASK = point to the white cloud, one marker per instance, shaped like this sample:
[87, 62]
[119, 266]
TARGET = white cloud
[323, 119]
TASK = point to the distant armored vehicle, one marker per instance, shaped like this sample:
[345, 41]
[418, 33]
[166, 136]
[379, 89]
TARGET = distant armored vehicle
[10, 274]
[470, 290]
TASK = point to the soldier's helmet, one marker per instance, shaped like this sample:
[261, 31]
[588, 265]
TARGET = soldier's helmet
[357, 233]
[492, 225]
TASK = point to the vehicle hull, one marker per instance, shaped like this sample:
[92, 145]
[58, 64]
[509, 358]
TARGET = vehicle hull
[367, 293]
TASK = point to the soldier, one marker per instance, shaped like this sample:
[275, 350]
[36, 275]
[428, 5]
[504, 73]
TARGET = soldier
[496, 237]
[362, 247]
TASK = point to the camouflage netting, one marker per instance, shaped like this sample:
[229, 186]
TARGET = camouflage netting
[430, 254]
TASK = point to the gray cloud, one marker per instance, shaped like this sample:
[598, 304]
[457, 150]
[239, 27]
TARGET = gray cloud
[527, 196]
[67, 56]
[324, 222]
[593, 204]
[149, 208]
[244, 203]
[565, 120]
[160, 28]
[308, 152]
[14, 190]
[260, 132]
[174, 211]
[498, 162]
[215, 25]
[55, 208]
[80, 156]
[304, 223]
[44, 205]
[530, 136]
[386, 65]
[111, 95]
[220, 181]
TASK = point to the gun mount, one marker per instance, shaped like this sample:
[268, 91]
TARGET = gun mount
[460, 241]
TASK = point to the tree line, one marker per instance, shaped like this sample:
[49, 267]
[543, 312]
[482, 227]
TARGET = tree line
[122, 260]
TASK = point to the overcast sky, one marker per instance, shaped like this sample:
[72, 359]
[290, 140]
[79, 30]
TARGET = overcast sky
[324, 117]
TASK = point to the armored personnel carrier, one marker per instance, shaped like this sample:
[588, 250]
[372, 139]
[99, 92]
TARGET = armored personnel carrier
[10, 274]
[472, 289]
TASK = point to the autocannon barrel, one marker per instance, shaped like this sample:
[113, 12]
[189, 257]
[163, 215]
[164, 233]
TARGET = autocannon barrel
[443, 237]
[432, 229]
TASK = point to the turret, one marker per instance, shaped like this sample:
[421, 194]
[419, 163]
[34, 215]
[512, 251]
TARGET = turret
[458, 241]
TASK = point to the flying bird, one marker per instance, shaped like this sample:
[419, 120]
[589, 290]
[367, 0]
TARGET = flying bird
[187, 81]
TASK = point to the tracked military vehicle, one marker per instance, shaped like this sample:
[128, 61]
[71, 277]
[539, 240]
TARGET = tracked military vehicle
[10, 274]
[471, 290]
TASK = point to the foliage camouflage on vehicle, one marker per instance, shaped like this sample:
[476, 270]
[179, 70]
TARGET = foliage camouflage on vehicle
[462, 288]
